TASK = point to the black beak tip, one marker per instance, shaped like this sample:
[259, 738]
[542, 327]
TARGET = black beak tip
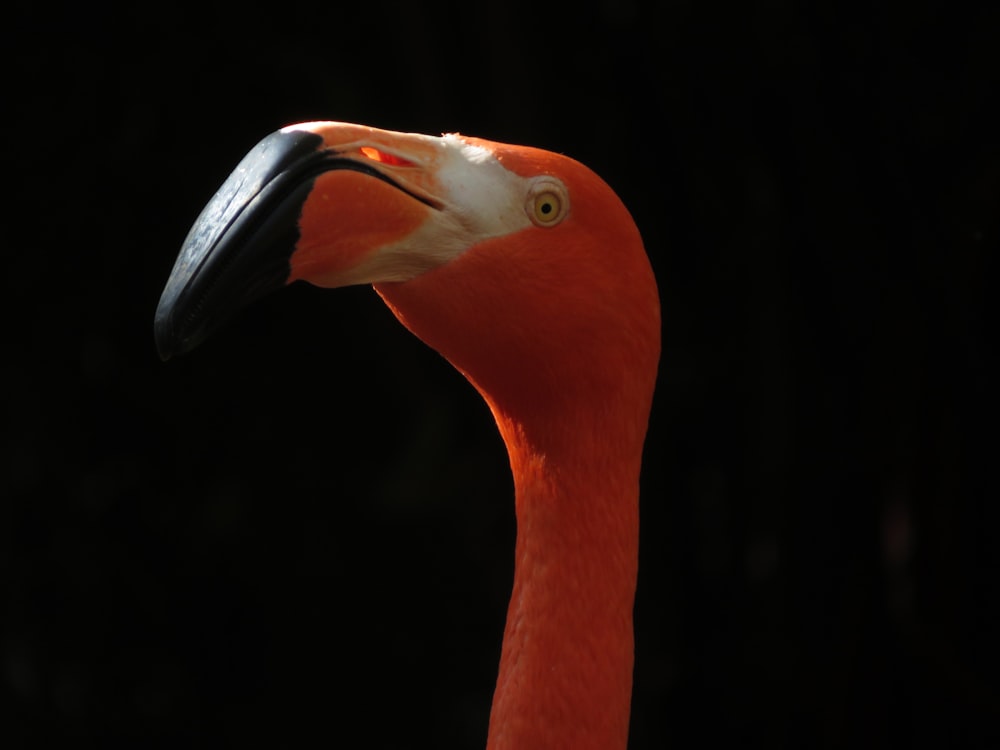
[164, 345]
[170, 339]
[239, 248]
[167, 344]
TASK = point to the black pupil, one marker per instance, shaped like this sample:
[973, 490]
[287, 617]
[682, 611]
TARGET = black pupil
[546, 208]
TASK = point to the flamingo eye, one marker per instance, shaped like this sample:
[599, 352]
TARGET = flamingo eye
[548, 203]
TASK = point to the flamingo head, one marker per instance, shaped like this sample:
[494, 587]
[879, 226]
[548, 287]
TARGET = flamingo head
[519, 265]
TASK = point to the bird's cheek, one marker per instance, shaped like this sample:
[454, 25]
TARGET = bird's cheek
[345, 219]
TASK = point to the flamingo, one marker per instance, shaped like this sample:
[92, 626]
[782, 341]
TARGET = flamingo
[525, 271]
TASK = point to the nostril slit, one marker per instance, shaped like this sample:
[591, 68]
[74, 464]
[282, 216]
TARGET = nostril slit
[384, 157]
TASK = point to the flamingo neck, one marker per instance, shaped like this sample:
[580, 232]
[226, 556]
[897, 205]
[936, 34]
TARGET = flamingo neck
[565, 675]
[568, 372]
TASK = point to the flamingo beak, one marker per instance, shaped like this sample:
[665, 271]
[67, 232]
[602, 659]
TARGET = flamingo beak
[301, 205]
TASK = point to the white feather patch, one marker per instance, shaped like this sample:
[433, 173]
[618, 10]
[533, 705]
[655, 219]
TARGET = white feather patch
[480, 200]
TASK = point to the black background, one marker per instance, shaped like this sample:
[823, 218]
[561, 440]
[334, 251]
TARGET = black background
[305, 528]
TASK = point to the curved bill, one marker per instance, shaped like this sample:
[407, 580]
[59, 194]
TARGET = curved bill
[236, 252]
[240, 245]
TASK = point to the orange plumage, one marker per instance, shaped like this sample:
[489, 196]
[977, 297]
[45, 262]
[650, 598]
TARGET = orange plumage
[525, 271]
